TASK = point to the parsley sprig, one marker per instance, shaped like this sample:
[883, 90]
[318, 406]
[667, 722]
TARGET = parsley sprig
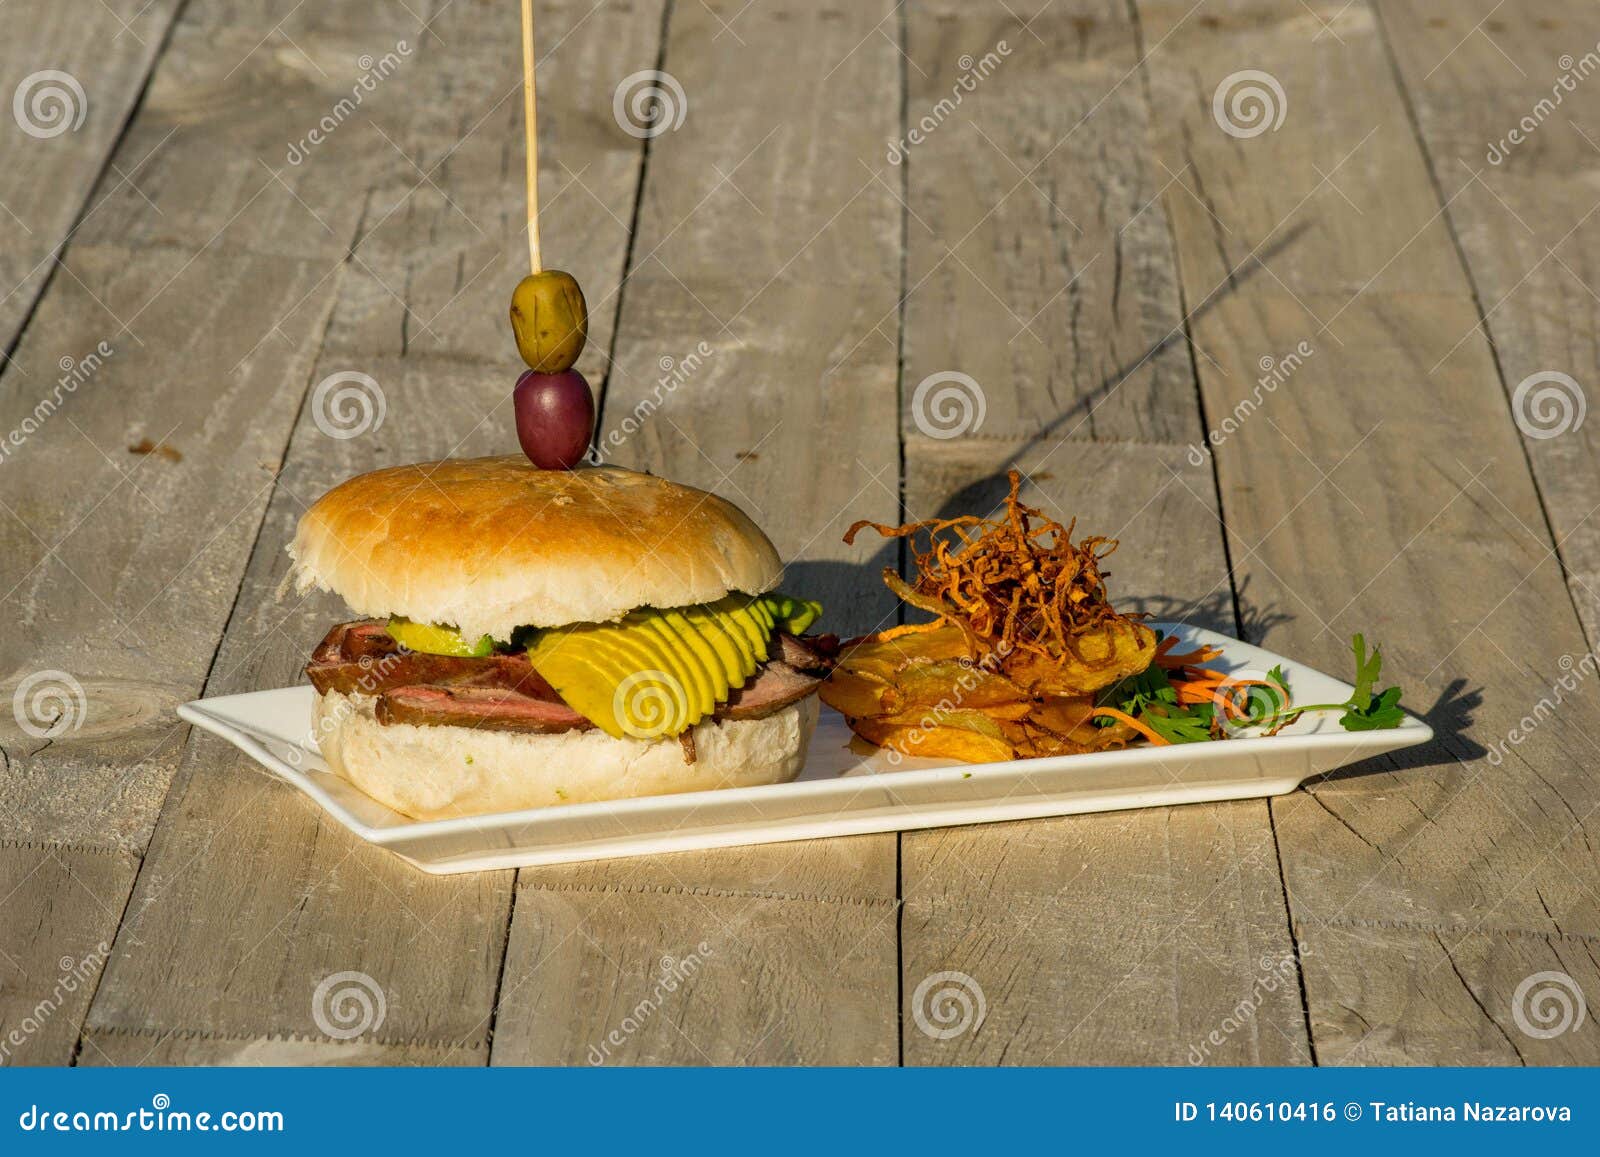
[1151, 697]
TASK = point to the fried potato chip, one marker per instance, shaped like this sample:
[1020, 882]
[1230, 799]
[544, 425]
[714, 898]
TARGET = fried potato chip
[936, 742]
[853, 694]
[1062, 714]
[894, 651]
[952, 684]
[944, 716]
[1120, 648]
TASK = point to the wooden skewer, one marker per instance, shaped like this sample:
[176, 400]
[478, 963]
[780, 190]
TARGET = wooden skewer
[531, 129]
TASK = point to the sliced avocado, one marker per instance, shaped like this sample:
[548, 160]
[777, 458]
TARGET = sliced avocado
[699, 648]
[763, 616]
[756, 628]
[793, 616]
[435, 640]
[696, 680]
[722, 610]
[642, 652]
[652, 698]
[736, 616]
[737, 656]
[586, 677]
[762, 611]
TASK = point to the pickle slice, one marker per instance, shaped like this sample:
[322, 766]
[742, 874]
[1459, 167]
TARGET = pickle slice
[434, 640]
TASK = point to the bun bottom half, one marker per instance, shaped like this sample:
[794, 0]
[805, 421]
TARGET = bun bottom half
[435, 773]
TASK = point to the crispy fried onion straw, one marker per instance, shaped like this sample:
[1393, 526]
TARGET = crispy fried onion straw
[1011, 586]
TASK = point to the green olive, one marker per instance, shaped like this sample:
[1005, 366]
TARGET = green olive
[550, 320]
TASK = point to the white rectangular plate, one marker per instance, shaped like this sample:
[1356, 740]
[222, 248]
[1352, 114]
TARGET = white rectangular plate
[846, 787]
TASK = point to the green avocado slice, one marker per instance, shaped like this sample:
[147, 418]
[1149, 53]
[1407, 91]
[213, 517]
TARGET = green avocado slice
[435, 640]
[586, 677]
[737, 656]
[730, 611]
[698, 648]
[686, 666]
[650, 684]
[791, 615]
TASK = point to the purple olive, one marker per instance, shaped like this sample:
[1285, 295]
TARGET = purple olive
[555, 418]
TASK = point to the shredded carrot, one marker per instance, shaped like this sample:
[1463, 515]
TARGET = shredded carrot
[1124, 717]
[1171, 662]
[1015, 584]
[906, 629]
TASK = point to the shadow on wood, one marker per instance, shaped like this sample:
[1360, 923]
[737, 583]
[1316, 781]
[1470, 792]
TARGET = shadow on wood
[986, 493]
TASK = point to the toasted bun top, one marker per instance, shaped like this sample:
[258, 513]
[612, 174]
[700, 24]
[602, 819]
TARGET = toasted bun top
[487, 545]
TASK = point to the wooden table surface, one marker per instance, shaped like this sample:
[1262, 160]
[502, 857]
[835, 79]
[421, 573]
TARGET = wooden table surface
[1280, 346]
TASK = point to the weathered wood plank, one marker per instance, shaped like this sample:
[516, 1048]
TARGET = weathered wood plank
[1126, 938]
[762, 236]
[1046, 272]
[119, 568]
[60, 907]
[1450, 996]
[1522, 204]
[1352, 504]
[123, 1048]
[244, 878]
[52, 157]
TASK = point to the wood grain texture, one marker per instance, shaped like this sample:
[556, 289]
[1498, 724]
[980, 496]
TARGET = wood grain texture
[1521, 202]
[119, 566]
[1382, 488]
[1126, 938]
[245, 879]
[1450, 996]
[59, 907]
[761, 235]
[48, 173]
[1047, 274]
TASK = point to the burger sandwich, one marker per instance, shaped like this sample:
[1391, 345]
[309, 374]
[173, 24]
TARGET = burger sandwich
[541, 637]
